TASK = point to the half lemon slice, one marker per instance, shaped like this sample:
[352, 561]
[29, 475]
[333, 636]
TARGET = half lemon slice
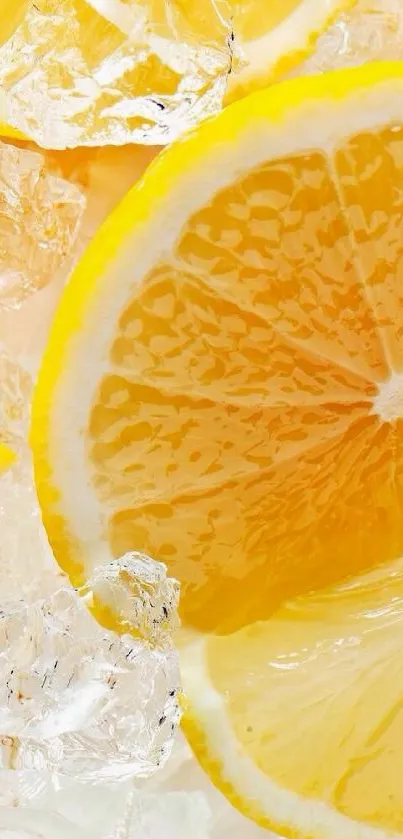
[299, 719]
[223, 386]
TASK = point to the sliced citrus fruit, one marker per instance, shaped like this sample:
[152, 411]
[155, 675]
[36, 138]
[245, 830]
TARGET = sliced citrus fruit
[276, 36]
[223, 384]
[299, 719]
[7, 457]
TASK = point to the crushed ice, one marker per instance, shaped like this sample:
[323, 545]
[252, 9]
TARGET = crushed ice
[134, 594]
[90, 72]
[367, 32]
[79, 700]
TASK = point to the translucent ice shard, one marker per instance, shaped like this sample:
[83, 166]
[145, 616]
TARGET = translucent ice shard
[56, 807]
[133, 594]
[81, 701]
[50, 806]
[91, 72]
[40, 215]
[372, 30]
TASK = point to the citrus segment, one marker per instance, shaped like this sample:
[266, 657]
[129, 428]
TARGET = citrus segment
[299, 719]
[257, 537]
[373, 210]
[289, 258]
[221, 388]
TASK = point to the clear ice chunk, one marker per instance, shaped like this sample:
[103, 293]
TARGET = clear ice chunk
[40, 216]
[372, 30]
[49, 806]
[56, 807]
[52, 806]
[133, 594]
[95, 72]
[78, 700]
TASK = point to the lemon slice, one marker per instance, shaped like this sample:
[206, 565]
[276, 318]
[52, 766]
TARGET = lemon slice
[7, 457]
[275, 36]
[299, 719]
[222, 387]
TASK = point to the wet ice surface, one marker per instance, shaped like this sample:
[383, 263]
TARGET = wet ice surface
[63, 808]
[177, 803]
[81, 701]
[132, 594]
[43, 806]
[372, 30]
[40, 215]
[88, 72]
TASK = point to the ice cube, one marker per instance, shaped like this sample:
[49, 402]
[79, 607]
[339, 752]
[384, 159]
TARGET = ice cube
[40, 215]
[92, 72]
[51, 806]
[81, 701]
[372, 30]
[56, 807]
[132, 594]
